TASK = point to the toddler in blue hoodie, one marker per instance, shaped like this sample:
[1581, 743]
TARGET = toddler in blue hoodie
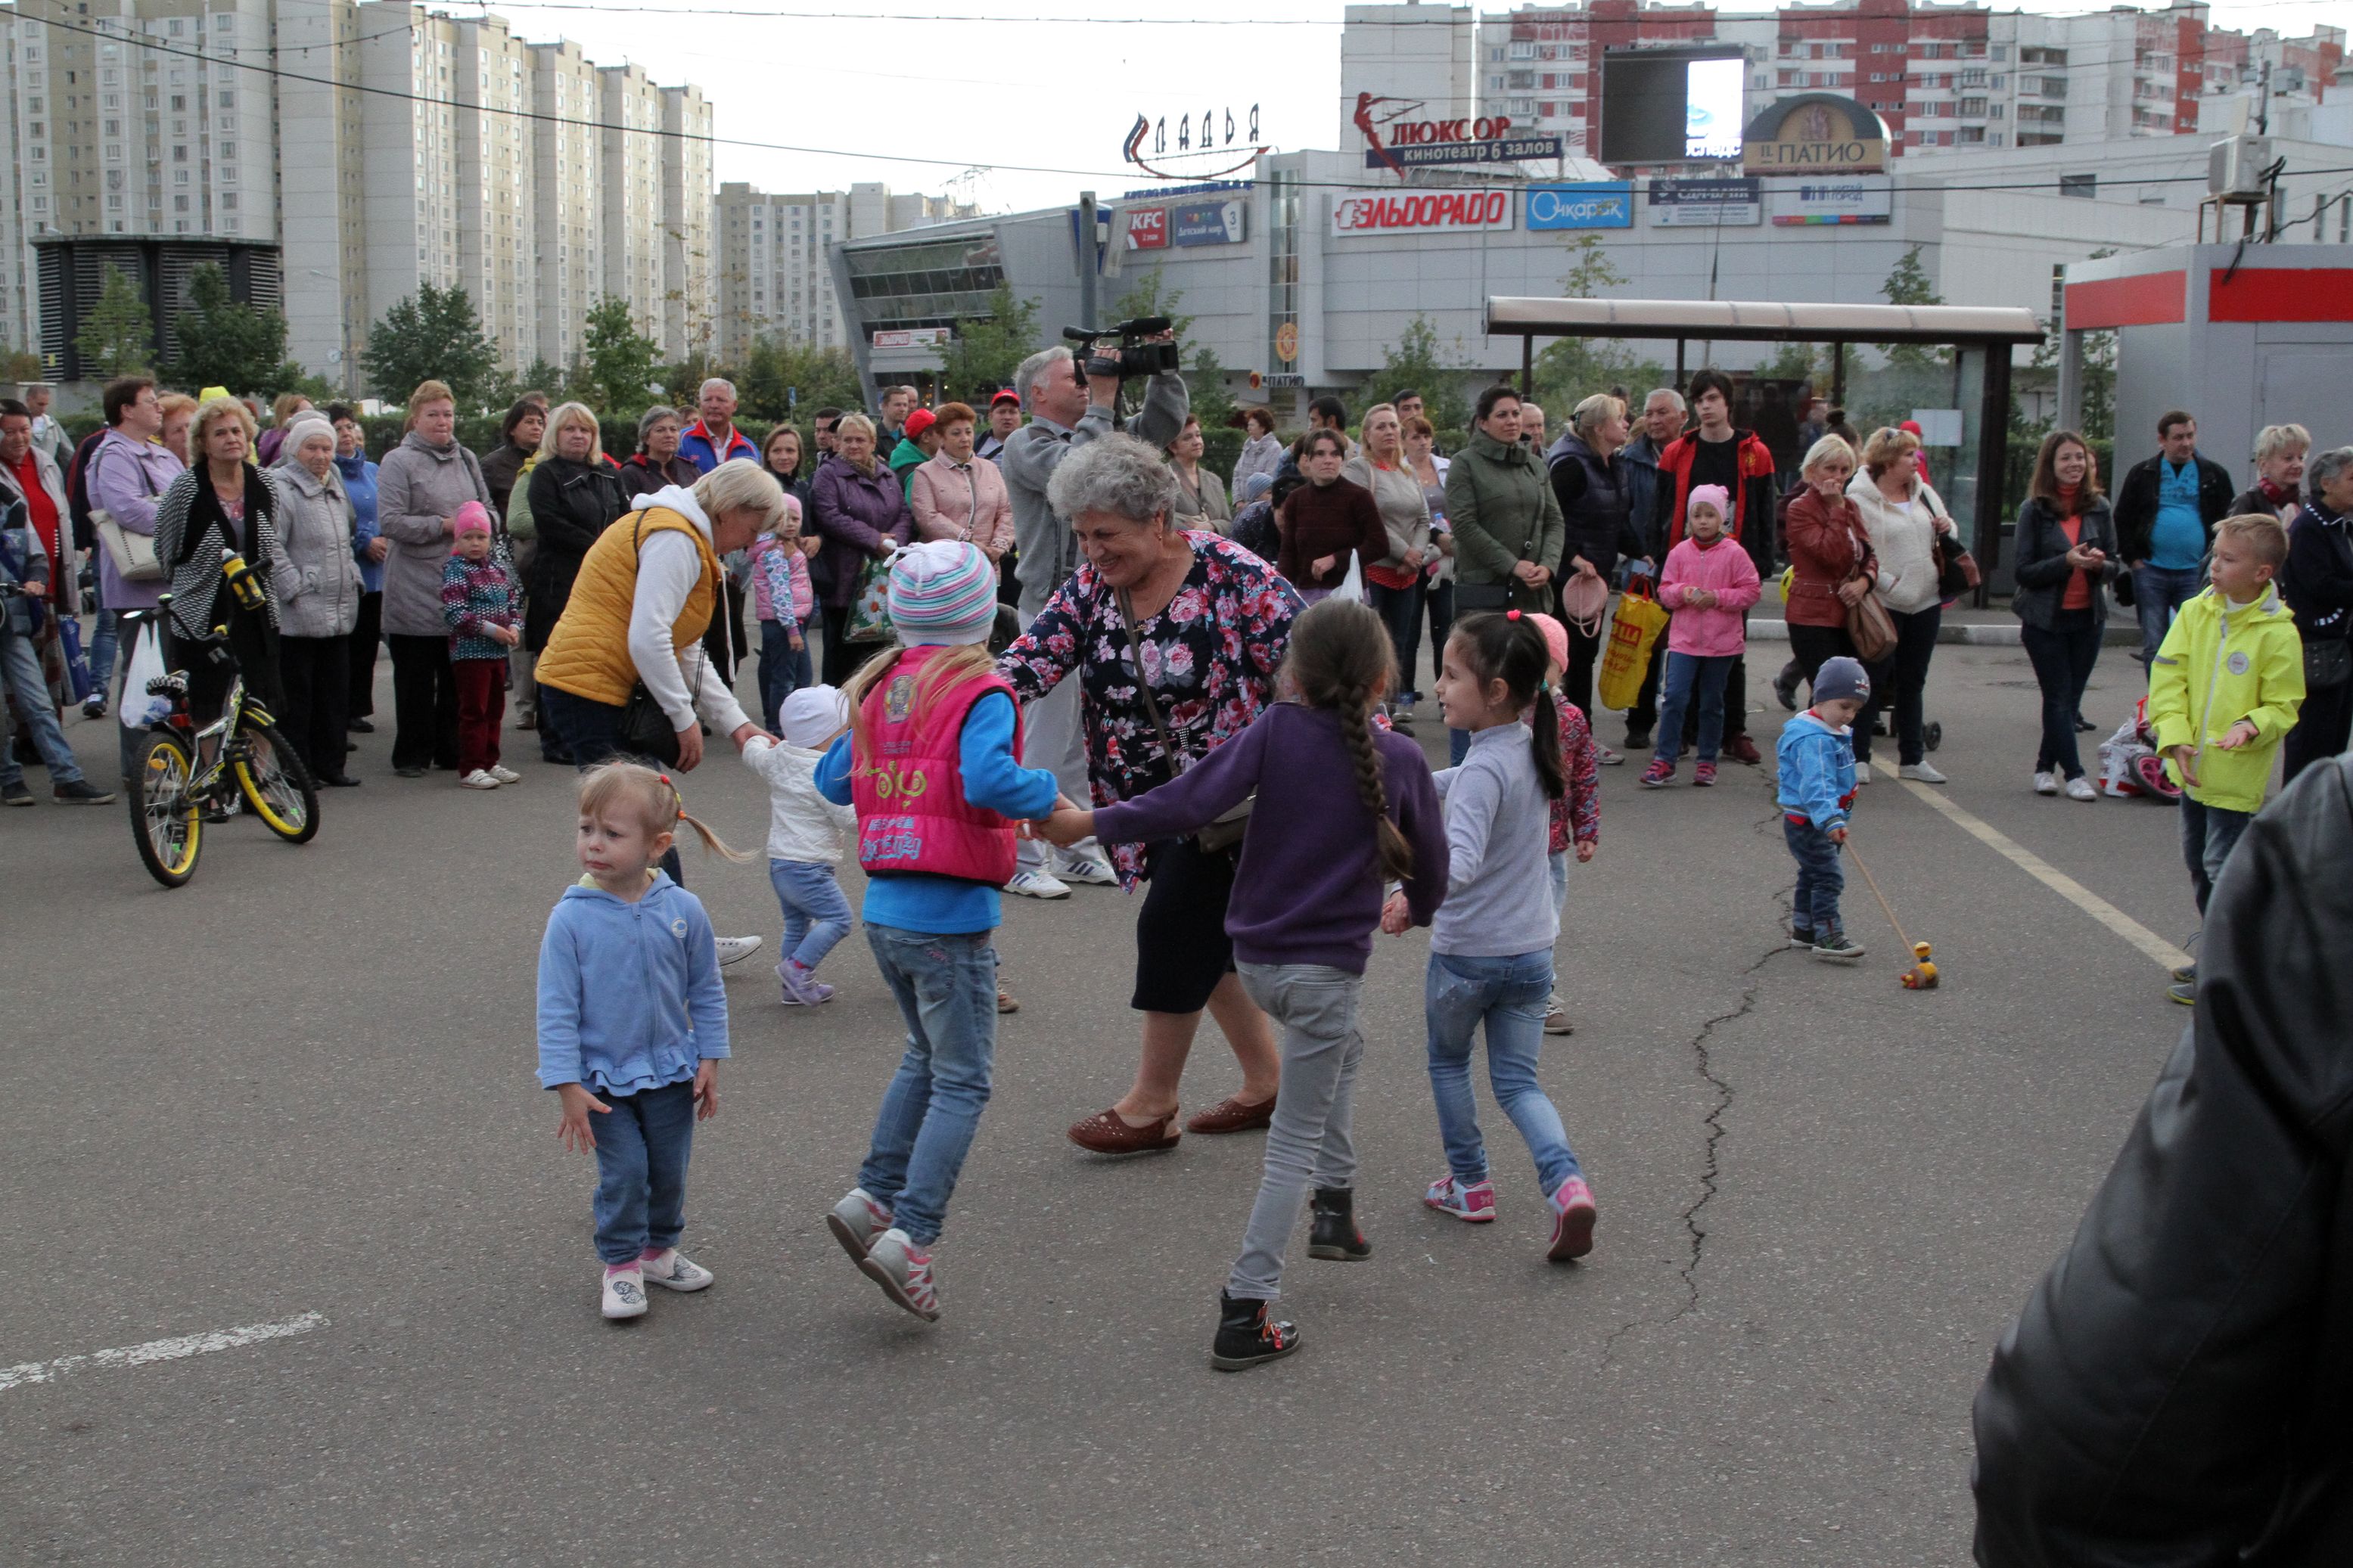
[632, 1024]
[1815, 761]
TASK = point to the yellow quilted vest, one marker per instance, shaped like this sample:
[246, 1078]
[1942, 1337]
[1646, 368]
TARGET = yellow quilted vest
[587, 654]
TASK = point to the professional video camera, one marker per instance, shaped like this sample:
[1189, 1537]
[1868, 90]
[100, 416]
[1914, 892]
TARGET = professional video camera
[1137, 356]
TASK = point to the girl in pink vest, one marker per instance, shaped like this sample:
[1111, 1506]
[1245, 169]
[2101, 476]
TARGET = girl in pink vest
[933, 763]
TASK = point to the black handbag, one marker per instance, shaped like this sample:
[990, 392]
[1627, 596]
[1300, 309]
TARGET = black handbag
[2327, 665]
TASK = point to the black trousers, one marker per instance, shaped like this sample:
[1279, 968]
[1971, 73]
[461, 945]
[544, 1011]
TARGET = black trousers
[1576, 681]
[2320, 732]
[316, 673]
[424, 703]
[1901, 683]
[2062, 655]
[843, 659]
[366, 639]
[1810, 647]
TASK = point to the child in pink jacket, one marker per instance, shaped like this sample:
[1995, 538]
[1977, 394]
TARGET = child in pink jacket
[1709, 582]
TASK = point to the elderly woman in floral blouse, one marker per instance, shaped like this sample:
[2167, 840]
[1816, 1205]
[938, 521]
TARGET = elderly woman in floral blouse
[1210, 621]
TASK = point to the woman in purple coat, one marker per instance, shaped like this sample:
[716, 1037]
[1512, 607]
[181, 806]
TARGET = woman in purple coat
[856, 505]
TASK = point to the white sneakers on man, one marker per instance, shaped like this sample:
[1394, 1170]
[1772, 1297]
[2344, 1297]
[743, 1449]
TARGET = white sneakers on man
[1038, 885]
[2046, 781]
[478, 779]
[1089, 866]
[1924, 771]
[2080, 788]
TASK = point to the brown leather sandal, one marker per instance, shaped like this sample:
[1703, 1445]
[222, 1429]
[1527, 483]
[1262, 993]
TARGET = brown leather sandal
[1106, 1132]
[1233, 1115]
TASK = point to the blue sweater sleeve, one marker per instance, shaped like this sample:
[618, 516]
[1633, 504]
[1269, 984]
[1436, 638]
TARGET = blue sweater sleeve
[992, 779]
[559, 1004]
[706, 995]
[833, 771]
[1816, 782]
[1193, 799]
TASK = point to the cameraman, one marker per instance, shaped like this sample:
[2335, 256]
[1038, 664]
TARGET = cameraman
[1066, 411]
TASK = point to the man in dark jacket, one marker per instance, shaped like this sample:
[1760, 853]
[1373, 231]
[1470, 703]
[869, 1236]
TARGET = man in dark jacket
[2165, 513]
[2176, 1391]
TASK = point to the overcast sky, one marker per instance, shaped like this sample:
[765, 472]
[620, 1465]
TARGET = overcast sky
[1008, 96]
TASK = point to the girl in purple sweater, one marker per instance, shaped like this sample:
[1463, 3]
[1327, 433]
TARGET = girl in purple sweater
[1307, 894]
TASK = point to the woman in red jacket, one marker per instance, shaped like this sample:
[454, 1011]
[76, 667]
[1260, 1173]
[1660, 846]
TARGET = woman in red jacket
[1829, 554]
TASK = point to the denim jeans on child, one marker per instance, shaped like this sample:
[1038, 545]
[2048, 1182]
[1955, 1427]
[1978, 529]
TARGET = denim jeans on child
[1308, 1142]
[21, 677]
[1508, 995]
[1815, 908]
[947, 989]
[817, 913]
[2209, 834]
[784, 669]
[641, 1151]
[1684, 671]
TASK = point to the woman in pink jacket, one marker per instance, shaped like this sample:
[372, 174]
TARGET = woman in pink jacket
[955, 495]
[1709, 582]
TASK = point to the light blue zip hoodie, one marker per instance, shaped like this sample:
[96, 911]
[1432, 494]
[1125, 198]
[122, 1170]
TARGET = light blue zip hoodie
[630, 995]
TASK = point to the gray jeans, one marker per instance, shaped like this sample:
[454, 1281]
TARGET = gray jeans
[1308, 1143]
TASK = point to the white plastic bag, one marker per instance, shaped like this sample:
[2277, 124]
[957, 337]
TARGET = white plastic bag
[138, 708]
[1351, 586]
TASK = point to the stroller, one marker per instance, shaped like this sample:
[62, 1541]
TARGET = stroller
[2129, 763]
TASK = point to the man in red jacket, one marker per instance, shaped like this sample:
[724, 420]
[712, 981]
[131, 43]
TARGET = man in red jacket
[1714, 453]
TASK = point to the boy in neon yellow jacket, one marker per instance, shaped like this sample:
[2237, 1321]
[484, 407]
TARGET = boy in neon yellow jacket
[2224, 692]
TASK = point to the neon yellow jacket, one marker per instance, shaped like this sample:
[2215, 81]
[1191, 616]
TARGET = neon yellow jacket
[2215, 667]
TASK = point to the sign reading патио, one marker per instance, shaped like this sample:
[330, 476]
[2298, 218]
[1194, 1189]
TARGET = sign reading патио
[1396, 143]
[1815, 134]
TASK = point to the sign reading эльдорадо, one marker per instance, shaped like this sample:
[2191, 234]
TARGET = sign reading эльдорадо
[1356, 213]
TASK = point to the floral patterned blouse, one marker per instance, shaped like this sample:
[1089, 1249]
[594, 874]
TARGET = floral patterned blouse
[1211, 656]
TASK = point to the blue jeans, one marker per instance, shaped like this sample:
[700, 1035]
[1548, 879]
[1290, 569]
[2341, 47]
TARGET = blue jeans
[101, 649]
[2209, 834]
[2158, 592]
[1815, 908]
[1400, 611]
[945, 986]
[817, 912]
[21, 677]
[1509, 995]
[641, 1153]
[1685, 670]
[784, 669]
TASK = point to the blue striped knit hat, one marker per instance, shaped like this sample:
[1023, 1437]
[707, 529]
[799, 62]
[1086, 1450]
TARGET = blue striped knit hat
[942, 592]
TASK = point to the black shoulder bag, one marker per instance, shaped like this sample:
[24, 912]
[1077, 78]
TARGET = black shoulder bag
[1226, 830]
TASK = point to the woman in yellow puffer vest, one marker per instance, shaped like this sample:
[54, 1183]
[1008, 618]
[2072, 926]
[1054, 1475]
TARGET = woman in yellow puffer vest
[645, 595]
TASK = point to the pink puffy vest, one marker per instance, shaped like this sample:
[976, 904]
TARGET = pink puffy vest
[912, 814]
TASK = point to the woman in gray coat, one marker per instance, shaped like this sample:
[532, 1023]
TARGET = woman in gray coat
[319, 604]
[419, 487]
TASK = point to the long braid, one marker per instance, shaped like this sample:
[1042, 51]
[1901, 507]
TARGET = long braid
[1339, 658]
[1357, 728]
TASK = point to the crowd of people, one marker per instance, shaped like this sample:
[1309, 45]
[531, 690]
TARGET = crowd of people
[1025, 648]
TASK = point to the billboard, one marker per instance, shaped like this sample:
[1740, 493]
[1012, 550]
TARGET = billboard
[1358, 212]
[1209, 223]
[1670, 105]
[1868, 199]
[1147, 228]
[1815, 134]
[1596, 203]
[1704, 204]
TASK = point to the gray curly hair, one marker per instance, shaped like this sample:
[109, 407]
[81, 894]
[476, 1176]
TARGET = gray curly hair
[1115, 474]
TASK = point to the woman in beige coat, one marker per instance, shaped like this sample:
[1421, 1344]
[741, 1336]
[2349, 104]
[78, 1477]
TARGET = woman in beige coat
[957, 495]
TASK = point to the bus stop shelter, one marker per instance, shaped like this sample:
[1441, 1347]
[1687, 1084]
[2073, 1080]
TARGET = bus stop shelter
[1976, 383]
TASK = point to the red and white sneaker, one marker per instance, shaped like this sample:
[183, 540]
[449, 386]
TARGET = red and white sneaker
[1474, 1203]
[904, 1272]
[1659, 774]
[1572, 1223]
[856, 1221]
[1703, 774]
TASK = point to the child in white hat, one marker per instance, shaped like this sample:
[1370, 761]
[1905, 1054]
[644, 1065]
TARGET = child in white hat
[805, 839]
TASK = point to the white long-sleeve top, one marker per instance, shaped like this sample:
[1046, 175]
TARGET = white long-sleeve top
[678, 678]
[802, 824]
[1902, 535]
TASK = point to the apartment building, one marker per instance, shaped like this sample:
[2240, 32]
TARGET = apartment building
[568, 195]
[631, 110]
[497, 228]
[688, 304]
[775, 273]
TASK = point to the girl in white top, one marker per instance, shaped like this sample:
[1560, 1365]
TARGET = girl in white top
[805, 838]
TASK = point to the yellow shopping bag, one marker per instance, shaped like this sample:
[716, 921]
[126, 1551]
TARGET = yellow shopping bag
[1639, 621]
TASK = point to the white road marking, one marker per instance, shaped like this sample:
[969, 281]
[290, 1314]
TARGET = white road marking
[158, 1349]
[2159, 950]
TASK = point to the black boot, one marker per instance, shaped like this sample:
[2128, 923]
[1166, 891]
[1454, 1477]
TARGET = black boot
[1247, 1336]
[1335, 1236]
[1784, 685]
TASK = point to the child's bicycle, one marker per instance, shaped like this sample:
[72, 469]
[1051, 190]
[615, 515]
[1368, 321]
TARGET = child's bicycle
[174, 794]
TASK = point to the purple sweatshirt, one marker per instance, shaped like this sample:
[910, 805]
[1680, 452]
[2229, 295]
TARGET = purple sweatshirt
[1308, 889]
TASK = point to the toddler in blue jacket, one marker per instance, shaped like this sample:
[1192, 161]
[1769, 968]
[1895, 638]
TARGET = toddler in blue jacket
[1815, 761]
[632, 1026]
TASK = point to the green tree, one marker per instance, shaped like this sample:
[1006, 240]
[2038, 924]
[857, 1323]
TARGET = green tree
[1907, 284]
[1570, 370]
[782, 380]
[434, 334]
[1150, 295]
[225, 343]
[620, 360]
[118, 336]
[1416, 361]
[1212, 404]
[986, 350]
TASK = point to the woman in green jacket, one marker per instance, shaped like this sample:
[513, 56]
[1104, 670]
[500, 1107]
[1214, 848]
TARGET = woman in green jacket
[1508, 532]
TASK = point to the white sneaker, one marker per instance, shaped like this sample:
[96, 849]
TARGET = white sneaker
[1604, 757]
[625, 1293]
[1921, 771]
[1863, 773]
[2080, 788]
[1092, 868]
[736, 949]
[504, 774]
[478, 779]
[1038, 885]
[2046, 783]
[673, 1271]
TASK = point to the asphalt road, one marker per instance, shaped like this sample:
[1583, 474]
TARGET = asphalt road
[303, 1085]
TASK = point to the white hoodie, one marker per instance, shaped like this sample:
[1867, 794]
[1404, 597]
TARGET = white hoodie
[803, 825]
[667, 569]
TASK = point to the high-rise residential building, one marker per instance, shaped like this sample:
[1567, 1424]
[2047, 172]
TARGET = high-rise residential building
[688, 304]
[568, 195]
[496, 214]
[775, 273]
[631, 111]
[322, 113]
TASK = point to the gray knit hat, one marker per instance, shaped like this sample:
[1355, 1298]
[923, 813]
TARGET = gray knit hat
[1841, 678]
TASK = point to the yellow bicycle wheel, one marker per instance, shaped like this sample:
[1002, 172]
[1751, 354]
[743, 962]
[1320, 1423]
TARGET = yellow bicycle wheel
[165, 821]
[276, 786]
